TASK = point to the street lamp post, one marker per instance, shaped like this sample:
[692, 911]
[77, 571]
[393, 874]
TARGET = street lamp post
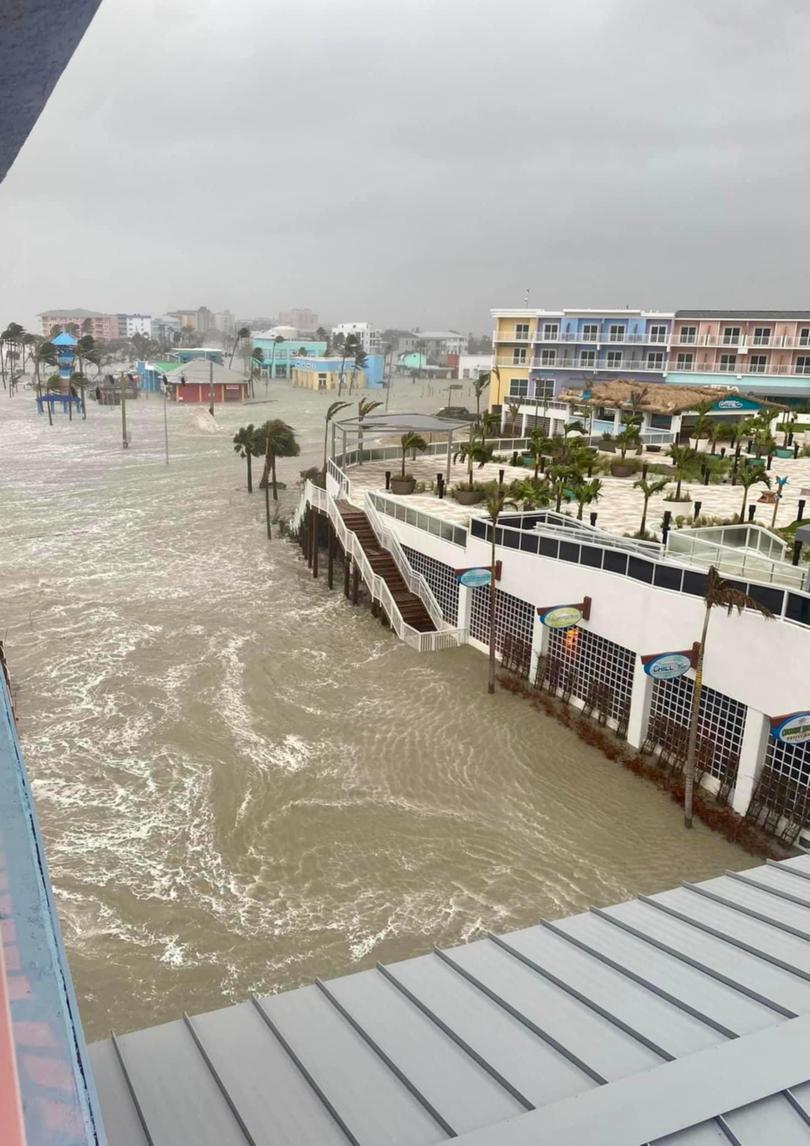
[124, 441]
[165, 388]
[211, 387]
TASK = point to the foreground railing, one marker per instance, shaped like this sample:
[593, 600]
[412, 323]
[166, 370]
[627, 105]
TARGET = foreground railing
[427, 522]
[415, 581]
[444, 638]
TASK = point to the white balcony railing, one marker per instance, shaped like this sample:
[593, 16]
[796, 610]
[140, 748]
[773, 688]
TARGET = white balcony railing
[511, 336]
[772, 341]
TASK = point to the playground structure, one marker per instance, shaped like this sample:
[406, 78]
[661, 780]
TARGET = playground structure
[62, 399]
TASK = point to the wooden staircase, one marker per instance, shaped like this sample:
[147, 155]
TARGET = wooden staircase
[410, 606]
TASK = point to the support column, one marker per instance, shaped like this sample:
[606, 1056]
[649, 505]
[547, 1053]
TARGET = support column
[752, 758]
[539, 635]
[347, 566]
[464, 607]
[640, 701]
[315, 532]
[330, 554]
[617, 422]
[355, 582]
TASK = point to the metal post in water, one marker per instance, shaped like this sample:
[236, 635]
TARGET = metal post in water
[124, 411]
[211, 399]
[165, 419]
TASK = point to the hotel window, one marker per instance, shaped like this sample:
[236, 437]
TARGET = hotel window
[518, 355]
[548, 357]
[658, 333]
[757, 363]
[522, 331]
[655, 360]
[551, 331]
[688, 334]
[803, 364]
[804, 336]
[728, 363]
[731, 335]
[762, 335]
[587, 358]
[616, 333]
[686, 361]
[614, 359]
[544, 389]
[518, 387]
[590, 332]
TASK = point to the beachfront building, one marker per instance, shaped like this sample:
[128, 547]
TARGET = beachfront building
[280, 347]
[198, 381]
[538, 353]
[474, 365]
[322, 373]
[441, 347]
[764, 352]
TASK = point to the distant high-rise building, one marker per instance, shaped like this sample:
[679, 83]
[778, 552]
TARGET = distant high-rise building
[370, 337]
[225, 322]
[301, 317]
[102, 326]
[186, 318]
[205, 320]
[129, 324]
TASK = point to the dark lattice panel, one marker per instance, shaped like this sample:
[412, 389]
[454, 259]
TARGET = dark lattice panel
[721, 720]
[789, 760]
[442, 580]
[512, 615]
[596, 662]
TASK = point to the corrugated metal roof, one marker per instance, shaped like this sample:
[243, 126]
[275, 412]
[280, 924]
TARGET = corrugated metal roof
[679, 1018]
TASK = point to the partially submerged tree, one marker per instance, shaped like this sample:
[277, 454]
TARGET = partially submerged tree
[275, 439]
[244, 442]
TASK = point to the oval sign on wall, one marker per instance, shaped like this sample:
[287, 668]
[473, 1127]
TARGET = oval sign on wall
[563, 617]
[793, 729]
[473, 578]
[668, 666]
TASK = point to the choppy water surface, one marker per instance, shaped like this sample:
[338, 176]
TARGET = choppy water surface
[244, 783]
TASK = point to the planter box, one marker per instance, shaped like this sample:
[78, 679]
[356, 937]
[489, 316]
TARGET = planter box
[467, 496]
[402, 486]
[620, 470]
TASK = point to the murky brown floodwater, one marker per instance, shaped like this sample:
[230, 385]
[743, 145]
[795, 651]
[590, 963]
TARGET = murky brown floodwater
[244, 783]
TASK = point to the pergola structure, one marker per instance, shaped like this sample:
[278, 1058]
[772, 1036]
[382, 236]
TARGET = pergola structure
[397, 424]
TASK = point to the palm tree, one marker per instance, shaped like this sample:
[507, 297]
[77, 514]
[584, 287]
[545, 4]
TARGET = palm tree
[275, 439]
[514, 410]
[278, 338]
[586, 492]
[474, 452]
[747, 477]
[335, 408]
[360, 362]
[9, 341]
[497, 502]
[244, 442]
[480, 384]
[256, 363]
[242, 333]
[29, 341]
[728, 596]
[648, 489]
[703, 423]
[682, 461]
[364, 407]
[411, 441]
[489, 422]
[539, 446]
[45, 352]
[78, 382]
[350, 346]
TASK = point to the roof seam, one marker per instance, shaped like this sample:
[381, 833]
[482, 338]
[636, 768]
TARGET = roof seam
[456, 1038]
[215, 1075]
[581, 998]
[709, 971]
[744, 909]
[767, 889]
[297, 1062]
[136, 1102]
[521, 1018]
[730, 939]
[783, 866]
[397, 1071]
[653, 988]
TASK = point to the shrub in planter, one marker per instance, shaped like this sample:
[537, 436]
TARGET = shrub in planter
[405, 483]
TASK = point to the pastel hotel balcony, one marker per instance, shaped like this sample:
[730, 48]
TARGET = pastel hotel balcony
[605, 338]
[578, 362]
[722, 338]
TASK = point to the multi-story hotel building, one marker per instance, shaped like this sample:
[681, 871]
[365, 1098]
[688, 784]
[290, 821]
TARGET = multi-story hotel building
[538, 353]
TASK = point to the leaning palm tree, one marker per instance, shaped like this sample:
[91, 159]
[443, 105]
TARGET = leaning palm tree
[648, 489]
[242, 333]
[351, 345]
[412, 442]
[585, 493]
[359, 363]
[728, 596]
[335, 408]
[275, 439]
[44, 354]
[497, 502]
[747, 477]
[364, 407]
[256, 363]
[539, 446]
[244, 442]
[473, 452]
[480, 384]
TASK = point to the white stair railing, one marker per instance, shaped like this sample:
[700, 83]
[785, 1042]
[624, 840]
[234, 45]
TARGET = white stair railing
[443, 638]
[415, 581]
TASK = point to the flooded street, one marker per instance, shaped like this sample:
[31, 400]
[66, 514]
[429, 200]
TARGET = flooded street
[242, 781]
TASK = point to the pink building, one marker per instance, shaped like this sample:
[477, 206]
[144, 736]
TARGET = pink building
[740, 342]
[103, 327]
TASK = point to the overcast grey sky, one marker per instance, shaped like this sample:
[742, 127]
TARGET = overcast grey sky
[418, 161]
